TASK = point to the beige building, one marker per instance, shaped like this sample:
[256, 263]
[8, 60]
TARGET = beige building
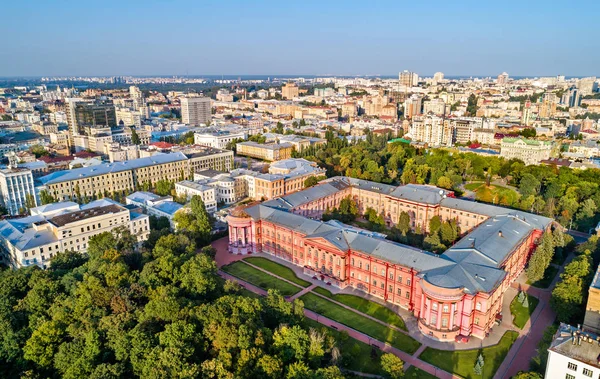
[408, 79]
[289, 91]
[529, 151]
[412, 106]
[436, 107]
[195, 110]
[349, 110]
[432, 130]
[58, 227]
[115, 177]
[267, 152]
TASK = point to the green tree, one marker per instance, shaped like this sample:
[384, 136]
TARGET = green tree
[135, 138]
[404, 223]
[392, 365]
[164, 187]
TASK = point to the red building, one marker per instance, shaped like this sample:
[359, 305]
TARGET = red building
[456, 293]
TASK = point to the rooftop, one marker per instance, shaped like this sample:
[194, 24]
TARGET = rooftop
[69, 218]
[577, 344]
[107, 168]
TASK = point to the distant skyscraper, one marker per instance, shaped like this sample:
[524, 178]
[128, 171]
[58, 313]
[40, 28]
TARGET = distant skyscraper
[137, 96]
[502, 78]
[571, 97]
[408, 79]
[195, 110]
[438, 76]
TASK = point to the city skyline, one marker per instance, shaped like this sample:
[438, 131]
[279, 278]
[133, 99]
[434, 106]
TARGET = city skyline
[342, 39]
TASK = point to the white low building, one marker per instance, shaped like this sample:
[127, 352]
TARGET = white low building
[207, 193]
[58, 227]
[155, 205]
[573, 354]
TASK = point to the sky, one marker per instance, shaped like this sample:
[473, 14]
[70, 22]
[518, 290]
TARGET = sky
[327, 37]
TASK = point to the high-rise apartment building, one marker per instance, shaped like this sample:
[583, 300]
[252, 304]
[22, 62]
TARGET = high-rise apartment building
[412, 106]
[438, 77]
[571, 97]
[137, 96]
[289, 90]
[17, 190]
[408, 79]
[195, 110]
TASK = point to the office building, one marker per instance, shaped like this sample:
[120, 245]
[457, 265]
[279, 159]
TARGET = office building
[17, 191]
[218, 138]
[195, 110]
[58, 227]
[457, 293]
[573, 354]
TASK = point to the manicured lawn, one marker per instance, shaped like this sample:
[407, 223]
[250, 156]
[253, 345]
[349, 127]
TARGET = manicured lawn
[277, 269]
[260, 279]
[520, 313]
[493, 194]
[361, 323]
[549, 275]
[416, 373]
[356, 355]
[366, 306]
[461, 362]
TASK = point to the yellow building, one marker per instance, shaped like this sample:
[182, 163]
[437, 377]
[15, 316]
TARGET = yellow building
[289, 91]
[267, 152]
[115, 177]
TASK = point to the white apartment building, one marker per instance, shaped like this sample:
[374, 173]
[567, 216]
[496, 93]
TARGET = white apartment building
[573, 354]
[16, 187]
[195, 110]
[206, 192]
[529, 151]
[58, 227]
[436, 107]
[431, 130]
[218, 139]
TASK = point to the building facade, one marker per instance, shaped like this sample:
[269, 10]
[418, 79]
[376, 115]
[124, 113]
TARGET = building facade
[527, 150]
[268, 152]
[17, 191]
[573, 354]
[117, 177]
[456, 293]
[59, 227]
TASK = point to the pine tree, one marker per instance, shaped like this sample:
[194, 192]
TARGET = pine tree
[521, 297]
[525, 302]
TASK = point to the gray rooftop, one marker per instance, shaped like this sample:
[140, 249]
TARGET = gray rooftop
[577, 344]
[106, 168]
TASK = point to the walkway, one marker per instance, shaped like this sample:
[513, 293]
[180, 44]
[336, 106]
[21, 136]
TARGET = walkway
[525, 347]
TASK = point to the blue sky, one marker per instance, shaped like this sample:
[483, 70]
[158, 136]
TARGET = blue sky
[201, 37]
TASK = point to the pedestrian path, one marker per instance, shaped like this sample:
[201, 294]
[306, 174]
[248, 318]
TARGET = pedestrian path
[410, 360]
[306, 290]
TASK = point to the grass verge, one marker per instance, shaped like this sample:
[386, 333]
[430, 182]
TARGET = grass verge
[260, 279]
[366, 306]
[416, 373]
[360, 323]
[520, 313]
[461, 362]
[277, 269]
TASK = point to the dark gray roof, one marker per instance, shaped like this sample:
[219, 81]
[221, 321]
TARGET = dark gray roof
[308, 195]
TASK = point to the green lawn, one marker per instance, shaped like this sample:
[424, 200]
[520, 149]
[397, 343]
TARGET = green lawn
[356, 355]
[461, 362]
[493, 194]
[360, 323]
[416, 373]
[277, 269]
[260, 279]
[366, 306]
[549, 275]
[520, 313]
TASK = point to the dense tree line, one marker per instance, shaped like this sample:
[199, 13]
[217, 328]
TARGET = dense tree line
[161, 313]
[570, 196]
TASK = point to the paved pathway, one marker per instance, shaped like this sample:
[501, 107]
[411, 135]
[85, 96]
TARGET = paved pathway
[410, 360]
[307, 289]
[525, 347]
